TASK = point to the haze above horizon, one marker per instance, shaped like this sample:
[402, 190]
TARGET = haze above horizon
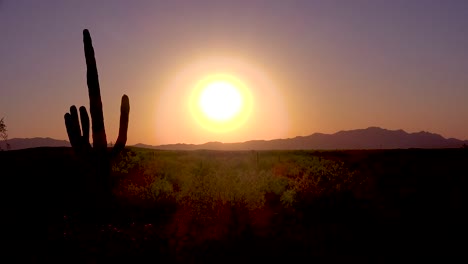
[302, 66]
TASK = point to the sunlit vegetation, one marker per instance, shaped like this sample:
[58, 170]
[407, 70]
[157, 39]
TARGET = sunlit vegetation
[218, 194]
[212, 178]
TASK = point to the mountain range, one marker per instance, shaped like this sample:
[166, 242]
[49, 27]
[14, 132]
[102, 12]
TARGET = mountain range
[369, 138]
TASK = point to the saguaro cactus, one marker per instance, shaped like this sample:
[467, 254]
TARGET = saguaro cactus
[79, 137]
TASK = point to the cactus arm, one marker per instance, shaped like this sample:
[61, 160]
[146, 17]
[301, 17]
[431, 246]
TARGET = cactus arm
[73, 126]
[95, 103]
[123, 127]
[68, 125]
[85, 126]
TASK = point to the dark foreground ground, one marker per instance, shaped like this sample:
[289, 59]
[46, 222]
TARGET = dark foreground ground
[412, 204]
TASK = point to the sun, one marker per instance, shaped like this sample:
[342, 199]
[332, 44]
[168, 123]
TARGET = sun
[220, 100]
[221, 103]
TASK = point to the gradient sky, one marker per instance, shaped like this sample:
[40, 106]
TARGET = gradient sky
[312, 66]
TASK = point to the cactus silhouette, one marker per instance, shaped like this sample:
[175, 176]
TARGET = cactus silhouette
[97, 154]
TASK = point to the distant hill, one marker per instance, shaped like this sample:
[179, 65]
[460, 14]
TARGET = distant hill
[23, 143]
[369, 138]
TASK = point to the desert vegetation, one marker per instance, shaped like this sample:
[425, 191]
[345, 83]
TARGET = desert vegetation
[230, 177]
[202, 206]
[190, 199]
[4, 134]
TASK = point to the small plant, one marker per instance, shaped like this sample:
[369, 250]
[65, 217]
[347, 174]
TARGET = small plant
[3, 134]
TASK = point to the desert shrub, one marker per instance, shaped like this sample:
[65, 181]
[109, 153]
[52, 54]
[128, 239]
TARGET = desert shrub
[288, 198]
[203, 180]
[161, 187]
[126, 161]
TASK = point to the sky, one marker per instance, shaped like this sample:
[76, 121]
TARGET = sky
[309, 66]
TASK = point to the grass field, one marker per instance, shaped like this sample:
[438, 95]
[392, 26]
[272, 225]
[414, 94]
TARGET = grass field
[220, 206]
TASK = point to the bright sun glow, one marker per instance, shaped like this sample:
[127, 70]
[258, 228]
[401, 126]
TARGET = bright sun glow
[221, 103]
[190, 110]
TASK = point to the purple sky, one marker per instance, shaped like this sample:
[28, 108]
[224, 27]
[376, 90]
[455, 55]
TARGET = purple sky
[329, 65]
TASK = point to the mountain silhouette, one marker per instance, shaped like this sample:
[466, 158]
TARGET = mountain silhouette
[369, 138]
[23, 143]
